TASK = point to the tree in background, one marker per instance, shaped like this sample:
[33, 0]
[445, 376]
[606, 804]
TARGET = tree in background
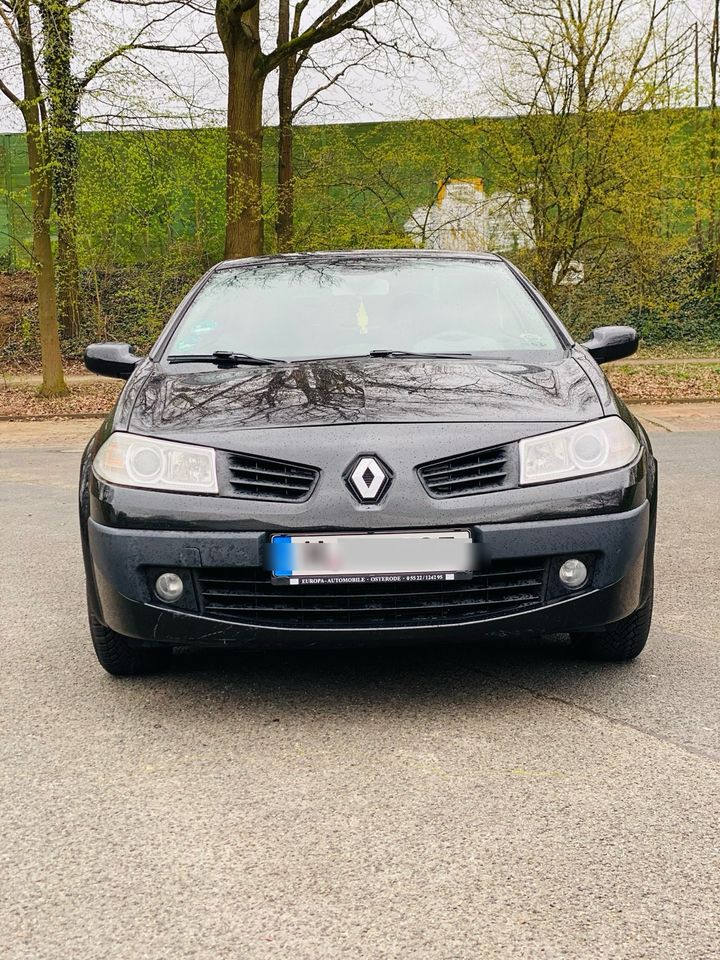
[398, 178]
[575, 77]
[63, 107]
[17, 21]
[149, 23]
[377, 48]
[240, 25]
[707, 145]
[289, 28]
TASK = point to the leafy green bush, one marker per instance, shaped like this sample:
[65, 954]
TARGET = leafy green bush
[666, 298]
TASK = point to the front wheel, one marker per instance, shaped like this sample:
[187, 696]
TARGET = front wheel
[619, 641]
[120, 658]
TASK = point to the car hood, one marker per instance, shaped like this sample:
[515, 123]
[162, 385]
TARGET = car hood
[388, 390]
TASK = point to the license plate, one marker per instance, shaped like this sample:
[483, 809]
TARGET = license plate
[372, 557]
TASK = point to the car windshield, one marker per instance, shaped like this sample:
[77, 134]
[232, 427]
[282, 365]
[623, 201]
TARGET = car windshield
[320, 307]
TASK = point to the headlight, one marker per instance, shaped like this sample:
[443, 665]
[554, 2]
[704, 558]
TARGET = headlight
[133, 461]
[577, 451]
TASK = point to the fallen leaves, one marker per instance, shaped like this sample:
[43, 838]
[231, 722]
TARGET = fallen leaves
[649, 383]
[666, 382]
[23, 400]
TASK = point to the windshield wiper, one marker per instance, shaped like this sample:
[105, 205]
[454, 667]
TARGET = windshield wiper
[412, 353]
[228, 358]
[224, 358]
[344, 357]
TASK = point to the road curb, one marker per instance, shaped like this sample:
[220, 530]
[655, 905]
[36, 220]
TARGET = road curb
[40, 417]
[634, 401]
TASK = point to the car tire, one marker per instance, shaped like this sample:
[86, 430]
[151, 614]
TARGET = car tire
[619, 641]
[120, 658]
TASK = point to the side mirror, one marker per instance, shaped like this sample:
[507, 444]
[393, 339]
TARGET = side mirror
[611, 343]
[111, 359]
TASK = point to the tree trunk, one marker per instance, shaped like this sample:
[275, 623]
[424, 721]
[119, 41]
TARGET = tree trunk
[284, 223]
[239, 32]
[68, 266]
[64, 109]
[712, 230]
[544, 261]
[53, 383]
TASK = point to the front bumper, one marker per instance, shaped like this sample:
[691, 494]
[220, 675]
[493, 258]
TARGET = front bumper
[123, 561]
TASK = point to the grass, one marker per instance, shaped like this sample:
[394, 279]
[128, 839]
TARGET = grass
[679, 350]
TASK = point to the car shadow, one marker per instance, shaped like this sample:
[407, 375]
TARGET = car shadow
[380, 661]
[388, 678]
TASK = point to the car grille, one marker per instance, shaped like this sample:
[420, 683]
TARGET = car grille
[469, 473]
[260, 478]
[248, 595]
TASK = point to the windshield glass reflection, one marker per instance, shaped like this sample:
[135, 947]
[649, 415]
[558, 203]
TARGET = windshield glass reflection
[297, 309]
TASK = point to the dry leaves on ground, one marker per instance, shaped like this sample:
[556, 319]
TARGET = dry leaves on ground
[666, 383]
[23, 400]
[660, 383]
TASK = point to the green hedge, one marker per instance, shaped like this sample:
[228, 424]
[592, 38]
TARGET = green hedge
[151, 217]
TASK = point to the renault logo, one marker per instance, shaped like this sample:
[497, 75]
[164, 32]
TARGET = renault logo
[368, 478]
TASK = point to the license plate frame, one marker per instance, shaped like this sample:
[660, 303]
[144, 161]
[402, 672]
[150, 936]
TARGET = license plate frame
[378, 539]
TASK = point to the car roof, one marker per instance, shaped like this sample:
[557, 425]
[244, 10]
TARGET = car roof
[385, 254]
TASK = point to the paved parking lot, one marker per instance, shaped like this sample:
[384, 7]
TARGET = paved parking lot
[496, 801]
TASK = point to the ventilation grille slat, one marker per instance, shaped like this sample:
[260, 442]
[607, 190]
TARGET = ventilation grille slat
[248, 595]
[260, 478]
[469, 473]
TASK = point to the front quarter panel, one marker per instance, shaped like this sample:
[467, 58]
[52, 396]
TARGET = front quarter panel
[613, 405]
[609, 400]
[117, 419]
[84, 503]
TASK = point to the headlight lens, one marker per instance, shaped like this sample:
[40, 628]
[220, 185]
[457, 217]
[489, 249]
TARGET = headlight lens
[577, 451]
[133, 461]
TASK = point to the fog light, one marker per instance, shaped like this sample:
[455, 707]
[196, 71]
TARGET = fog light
[169, 587]
[573, 573]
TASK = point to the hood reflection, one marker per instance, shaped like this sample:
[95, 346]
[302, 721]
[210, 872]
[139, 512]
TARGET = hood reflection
[366, 391]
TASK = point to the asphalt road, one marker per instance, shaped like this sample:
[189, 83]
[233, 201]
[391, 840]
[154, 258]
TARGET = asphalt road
[495, 802]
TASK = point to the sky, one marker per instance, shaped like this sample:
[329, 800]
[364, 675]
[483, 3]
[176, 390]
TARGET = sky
[159, 88]
[445, 66]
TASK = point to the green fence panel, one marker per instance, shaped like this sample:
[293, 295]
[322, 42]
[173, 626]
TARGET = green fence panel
[142, 192]
[15, 225]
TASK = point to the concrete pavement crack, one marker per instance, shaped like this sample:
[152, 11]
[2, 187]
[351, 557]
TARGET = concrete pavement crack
[704, 753]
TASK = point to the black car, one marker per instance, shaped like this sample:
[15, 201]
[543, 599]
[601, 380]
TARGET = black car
[366, 447]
